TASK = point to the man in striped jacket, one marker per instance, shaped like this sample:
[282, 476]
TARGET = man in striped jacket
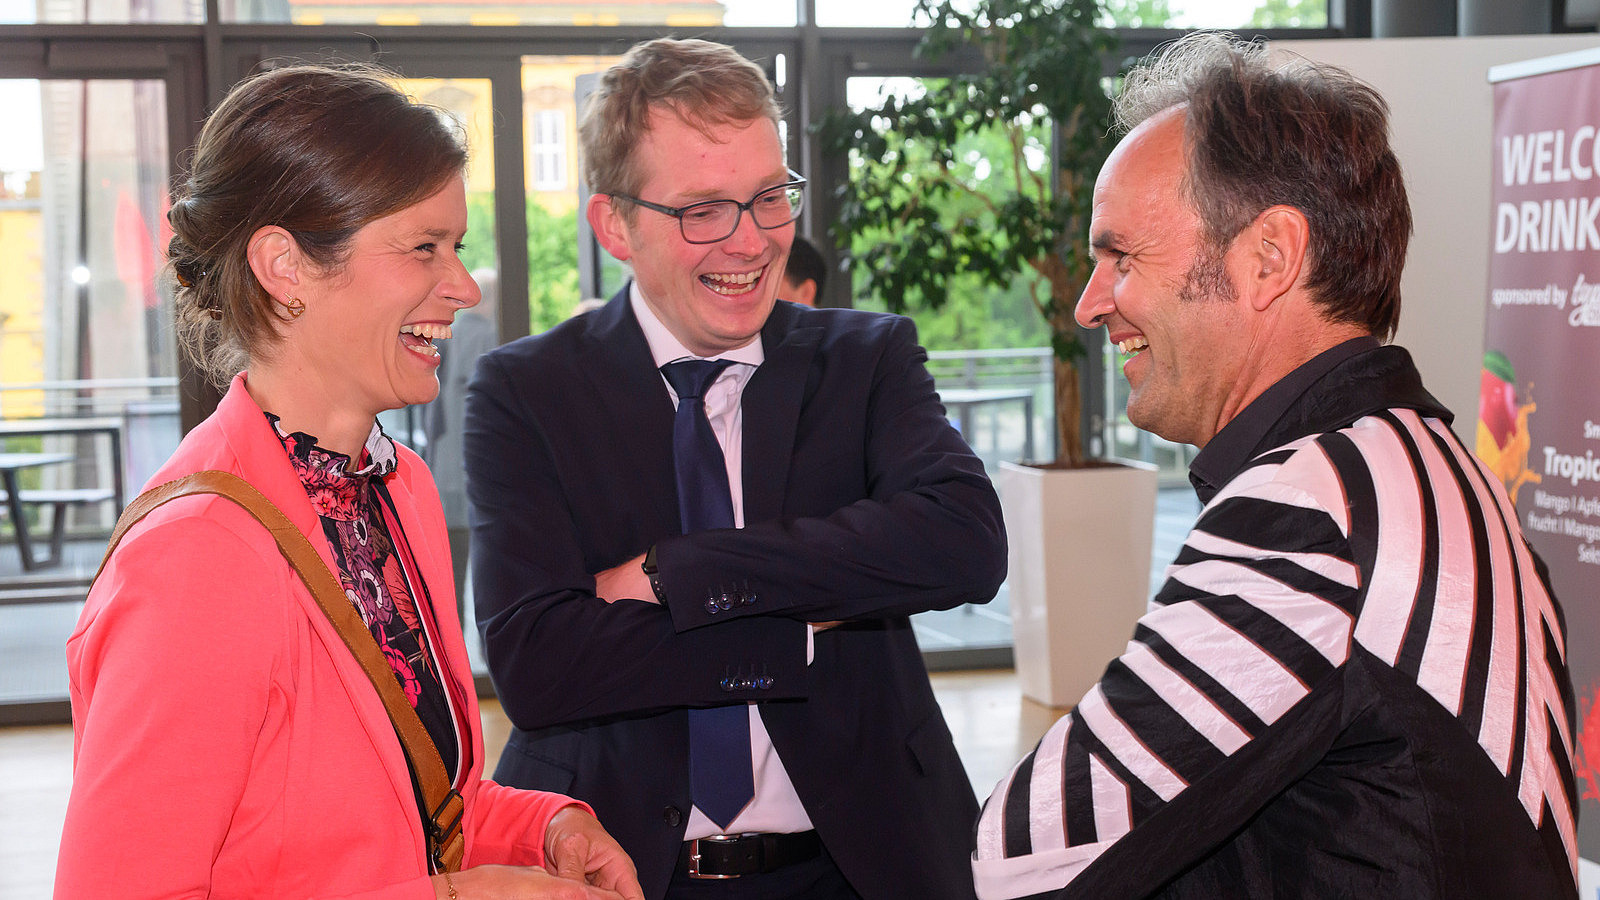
[1353, 682]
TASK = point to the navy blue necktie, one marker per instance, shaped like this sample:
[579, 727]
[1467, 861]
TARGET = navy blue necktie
[720, 780]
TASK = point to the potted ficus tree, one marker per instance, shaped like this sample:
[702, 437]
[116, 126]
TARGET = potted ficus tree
[920, 211]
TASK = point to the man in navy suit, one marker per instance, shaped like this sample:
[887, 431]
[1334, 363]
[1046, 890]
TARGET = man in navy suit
[615, 628]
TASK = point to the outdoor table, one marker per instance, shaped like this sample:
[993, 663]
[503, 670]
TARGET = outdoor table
[15, 497]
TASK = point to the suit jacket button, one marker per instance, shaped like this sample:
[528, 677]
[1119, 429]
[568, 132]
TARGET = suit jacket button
[728, 683]
[712, 607]
[764, 682]
[725, 601]
[672, 816]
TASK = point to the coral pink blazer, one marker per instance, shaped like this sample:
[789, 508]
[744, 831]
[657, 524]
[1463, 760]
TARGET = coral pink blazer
[226, 743]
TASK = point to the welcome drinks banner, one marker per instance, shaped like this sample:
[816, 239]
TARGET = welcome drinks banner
[1538, 416]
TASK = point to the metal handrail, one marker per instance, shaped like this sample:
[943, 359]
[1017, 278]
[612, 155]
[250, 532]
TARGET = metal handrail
[83, 396]
[79, 384]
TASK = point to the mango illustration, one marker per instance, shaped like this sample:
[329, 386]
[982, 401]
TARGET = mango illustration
[1503, 441]
[1497, 397]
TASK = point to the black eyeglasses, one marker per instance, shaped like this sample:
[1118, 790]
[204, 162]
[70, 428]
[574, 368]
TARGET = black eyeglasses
[710, 221]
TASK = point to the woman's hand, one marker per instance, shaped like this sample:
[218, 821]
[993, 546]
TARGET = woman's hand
[576, 847]
[515, 883]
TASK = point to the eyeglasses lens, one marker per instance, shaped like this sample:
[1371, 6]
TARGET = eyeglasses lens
[707, 223]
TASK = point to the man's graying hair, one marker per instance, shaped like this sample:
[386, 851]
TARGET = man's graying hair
[1262, 131]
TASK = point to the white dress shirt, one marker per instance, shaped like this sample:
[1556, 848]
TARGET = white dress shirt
[776, 807]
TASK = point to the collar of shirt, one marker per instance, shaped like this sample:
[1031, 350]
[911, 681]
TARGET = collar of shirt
[378, 453]
[665, 347]
[1331, 390]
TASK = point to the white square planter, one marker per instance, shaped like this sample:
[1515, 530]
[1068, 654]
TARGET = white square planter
[1079, 570]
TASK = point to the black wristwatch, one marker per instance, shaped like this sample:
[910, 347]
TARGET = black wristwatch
[652, 572]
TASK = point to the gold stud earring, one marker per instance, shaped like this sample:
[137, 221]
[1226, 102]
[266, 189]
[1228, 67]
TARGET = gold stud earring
[297, 307]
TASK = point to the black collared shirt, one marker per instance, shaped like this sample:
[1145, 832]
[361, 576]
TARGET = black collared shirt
[1351, 683]
[1313, 399]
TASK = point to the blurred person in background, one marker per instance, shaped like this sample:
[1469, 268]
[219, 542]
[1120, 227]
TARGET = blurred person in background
[473, 334]
[805, 274]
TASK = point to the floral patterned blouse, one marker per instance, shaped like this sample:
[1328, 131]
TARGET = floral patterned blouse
[375, 566]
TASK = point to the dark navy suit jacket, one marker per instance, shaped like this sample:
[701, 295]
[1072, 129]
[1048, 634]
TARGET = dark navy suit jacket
[861, 504]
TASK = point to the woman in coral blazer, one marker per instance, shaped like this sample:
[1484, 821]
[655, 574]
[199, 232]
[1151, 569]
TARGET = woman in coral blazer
[227, 743]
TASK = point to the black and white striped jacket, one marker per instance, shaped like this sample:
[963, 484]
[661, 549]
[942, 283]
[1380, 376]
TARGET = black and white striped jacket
[1352, 683]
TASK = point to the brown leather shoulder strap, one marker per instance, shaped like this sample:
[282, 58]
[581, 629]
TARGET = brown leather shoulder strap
[445, 808]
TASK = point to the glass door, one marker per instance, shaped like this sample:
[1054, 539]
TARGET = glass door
[88, 366]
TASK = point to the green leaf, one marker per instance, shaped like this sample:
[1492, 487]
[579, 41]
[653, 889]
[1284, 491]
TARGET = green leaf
[1500, 366]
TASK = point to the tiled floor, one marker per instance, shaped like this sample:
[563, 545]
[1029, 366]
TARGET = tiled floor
[992, 723]
[35, 776]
